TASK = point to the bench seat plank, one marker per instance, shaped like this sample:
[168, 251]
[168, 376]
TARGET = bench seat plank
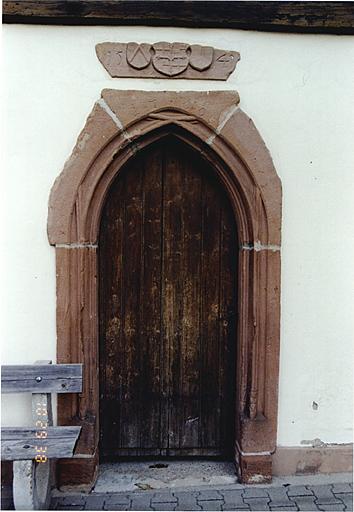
[54, 378]
[19, 443]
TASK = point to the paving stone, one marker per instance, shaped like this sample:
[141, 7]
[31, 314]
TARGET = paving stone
[181, 494]
[294, 507]
[255, 492]
[233, 500]
[245, 506]
[324, 502]
[187, 505]
[187, 501]
[141, 502]
[241, 506]
[341, 488]
[347, 500]
[117, 499]
[69, 507]
[163, 497]
[279, 497]
[298, 490]
[305, 503]
[94, 502]
[301, 497]
[164, 506]
[209, 495]
[258, 503]
[211, 505]
[332, 506]
[73, 500]
[116, 506]
[324, 494]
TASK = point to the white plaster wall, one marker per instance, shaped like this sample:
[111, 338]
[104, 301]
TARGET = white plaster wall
[299, 91]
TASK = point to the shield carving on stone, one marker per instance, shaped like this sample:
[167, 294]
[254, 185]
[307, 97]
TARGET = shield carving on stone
[170, 58]
[201, 57]
[138, 55]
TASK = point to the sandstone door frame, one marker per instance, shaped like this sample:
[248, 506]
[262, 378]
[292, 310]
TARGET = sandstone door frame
[120, 124]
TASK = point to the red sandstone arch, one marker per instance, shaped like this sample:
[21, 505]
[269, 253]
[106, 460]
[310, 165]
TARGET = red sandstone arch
[121, 123]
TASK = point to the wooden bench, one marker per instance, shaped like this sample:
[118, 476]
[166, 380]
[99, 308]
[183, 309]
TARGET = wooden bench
[34, 449]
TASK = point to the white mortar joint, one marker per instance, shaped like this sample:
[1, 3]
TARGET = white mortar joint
[258, 246]
[75, 245]
[118, 123]
[225, 116]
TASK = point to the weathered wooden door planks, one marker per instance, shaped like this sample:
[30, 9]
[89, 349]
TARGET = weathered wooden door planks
[167, 273]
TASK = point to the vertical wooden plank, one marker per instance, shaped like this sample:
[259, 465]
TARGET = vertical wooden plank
[210, 310]
[111, 303]
[132, 260]
[172, 292]
[182, 260]
[150, 305]
[189, 385]
[227, 347]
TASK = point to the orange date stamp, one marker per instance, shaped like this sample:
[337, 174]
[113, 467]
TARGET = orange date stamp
[41, 433]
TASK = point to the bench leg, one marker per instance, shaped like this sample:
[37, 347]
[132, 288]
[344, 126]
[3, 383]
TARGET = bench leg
[32, 485]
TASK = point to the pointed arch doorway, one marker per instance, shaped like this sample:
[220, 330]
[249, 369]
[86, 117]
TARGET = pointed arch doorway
[167, 292]
[121, 125]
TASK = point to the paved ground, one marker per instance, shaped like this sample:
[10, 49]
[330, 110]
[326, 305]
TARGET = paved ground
[306, 493]
[338, 496]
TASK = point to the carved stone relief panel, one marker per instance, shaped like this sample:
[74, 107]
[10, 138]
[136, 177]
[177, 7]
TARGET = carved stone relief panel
[166, 60]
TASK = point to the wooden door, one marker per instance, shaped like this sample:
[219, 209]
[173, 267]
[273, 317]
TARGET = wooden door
[167, 280]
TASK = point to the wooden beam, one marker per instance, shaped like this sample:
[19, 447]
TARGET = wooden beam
[306, 17]
[22, 443]
[46, 378]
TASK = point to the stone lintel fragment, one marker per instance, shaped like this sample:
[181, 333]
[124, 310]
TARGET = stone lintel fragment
[166, 60]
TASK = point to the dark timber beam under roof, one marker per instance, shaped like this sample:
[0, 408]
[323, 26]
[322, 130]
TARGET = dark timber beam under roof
[305, 17]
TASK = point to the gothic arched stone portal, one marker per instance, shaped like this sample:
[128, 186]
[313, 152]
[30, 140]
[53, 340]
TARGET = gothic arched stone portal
[120, 124]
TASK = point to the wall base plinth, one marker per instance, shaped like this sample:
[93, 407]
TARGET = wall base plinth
[308, 460]
[253, 469]
[77, 473]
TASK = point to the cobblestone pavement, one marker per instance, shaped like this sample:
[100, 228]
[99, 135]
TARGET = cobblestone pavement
[338, 496]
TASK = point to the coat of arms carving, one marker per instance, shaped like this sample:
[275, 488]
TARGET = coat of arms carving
[201, 57]
[170, 58]
[138, 55]
[167, 60]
